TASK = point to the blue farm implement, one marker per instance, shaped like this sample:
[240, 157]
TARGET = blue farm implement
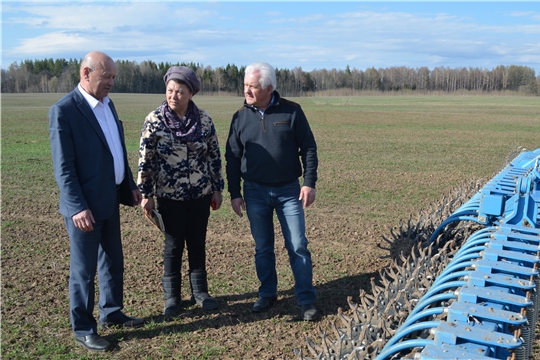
[468, 288]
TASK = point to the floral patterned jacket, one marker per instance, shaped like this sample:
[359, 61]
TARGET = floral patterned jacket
[178, 170]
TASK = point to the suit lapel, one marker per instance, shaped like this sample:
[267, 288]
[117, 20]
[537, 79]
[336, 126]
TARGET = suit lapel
[90, 117]
[120, 129]
[126, 196]
[117, 119]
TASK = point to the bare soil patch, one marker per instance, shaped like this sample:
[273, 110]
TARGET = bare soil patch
[35, 271]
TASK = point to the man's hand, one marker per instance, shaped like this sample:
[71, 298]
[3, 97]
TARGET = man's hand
[137, 197]
[307, 195]
[238, 205]
[84, 220]
[147, 205]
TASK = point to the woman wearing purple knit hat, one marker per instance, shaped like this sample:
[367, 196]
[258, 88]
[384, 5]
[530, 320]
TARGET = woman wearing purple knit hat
[180, 165]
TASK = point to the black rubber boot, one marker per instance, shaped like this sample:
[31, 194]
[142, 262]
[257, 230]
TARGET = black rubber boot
[171, 292]
[199, 291]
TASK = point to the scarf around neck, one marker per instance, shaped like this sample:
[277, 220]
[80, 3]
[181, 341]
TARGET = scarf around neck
[186, 129]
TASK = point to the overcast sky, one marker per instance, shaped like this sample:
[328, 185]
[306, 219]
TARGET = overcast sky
[306, 34]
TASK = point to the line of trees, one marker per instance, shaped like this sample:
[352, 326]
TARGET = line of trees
[61, 76]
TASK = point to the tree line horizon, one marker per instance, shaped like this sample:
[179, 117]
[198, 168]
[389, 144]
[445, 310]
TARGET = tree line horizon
[61, 76]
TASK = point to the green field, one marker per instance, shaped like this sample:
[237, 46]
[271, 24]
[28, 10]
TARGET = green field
[381, 160]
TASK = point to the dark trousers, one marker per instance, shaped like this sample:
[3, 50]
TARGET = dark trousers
[185, 225]
[101, 250]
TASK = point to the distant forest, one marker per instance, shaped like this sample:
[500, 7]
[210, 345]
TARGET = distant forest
[61, 76]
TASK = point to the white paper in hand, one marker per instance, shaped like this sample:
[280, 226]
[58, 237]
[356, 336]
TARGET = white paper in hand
[156, 220]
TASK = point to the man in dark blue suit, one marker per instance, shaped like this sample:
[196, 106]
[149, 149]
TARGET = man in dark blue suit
[92, 172]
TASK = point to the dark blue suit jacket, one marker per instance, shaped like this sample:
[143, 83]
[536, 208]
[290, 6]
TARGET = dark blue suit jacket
[83, 162]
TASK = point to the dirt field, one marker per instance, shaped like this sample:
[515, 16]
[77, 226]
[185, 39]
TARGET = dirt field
[382, 159]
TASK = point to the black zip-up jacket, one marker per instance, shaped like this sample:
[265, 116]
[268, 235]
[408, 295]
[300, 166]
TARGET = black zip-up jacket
[268, 150]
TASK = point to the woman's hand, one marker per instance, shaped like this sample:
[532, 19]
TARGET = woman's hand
[147, 205]
[217, 199]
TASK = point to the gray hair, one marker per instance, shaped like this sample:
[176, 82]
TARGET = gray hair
[268, 75]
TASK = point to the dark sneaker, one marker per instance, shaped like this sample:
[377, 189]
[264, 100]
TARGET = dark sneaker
[309, 312]
[123, 321]
[263, 304]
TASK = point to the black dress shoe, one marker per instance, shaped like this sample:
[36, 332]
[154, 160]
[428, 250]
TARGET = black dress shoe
[263, 304]
[123, 321]
[309, 312]
[93, 342]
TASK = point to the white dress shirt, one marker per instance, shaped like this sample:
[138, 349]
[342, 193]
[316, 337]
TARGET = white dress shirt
[106, 120]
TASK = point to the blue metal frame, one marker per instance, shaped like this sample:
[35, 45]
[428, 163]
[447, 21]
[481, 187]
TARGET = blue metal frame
[488, 293]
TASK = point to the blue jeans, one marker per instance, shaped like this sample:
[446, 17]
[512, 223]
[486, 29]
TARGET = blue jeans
[261, 201]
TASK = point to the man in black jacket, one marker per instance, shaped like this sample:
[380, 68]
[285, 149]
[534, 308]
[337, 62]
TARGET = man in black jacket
[270, 145]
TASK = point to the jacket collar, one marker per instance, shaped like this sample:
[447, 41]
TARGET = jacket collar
[88, 113]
